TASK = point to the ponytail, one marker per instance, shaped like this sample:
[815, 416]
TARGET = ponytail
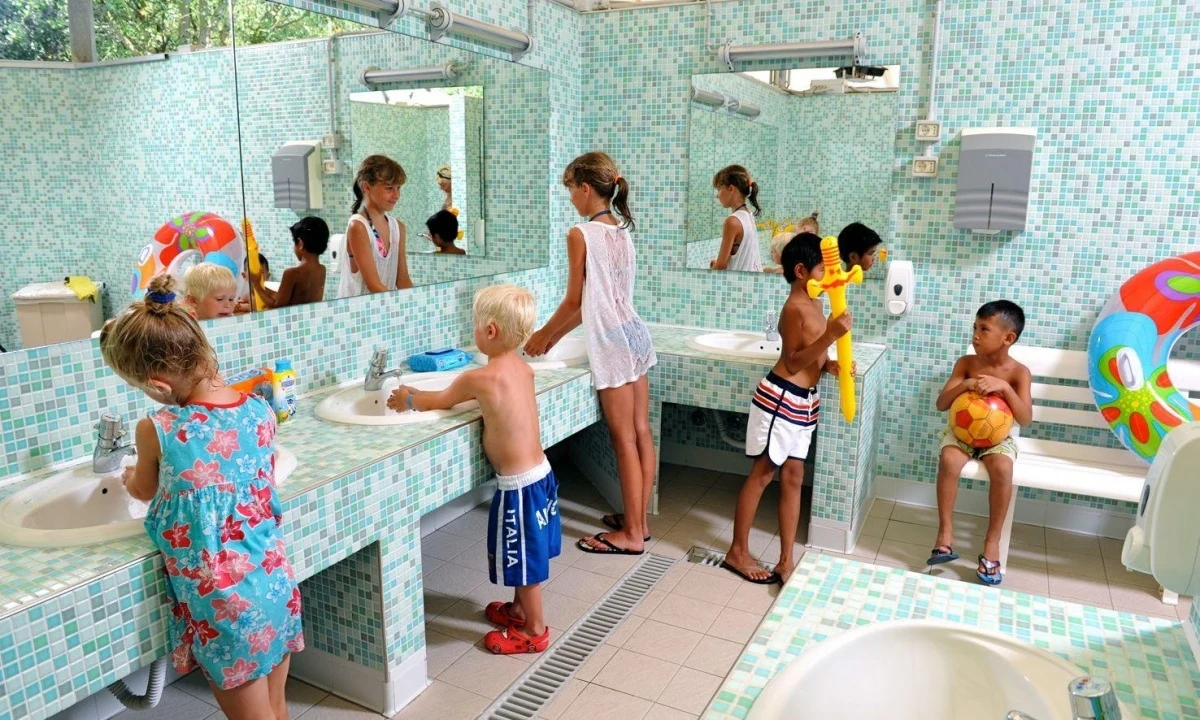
[620, 201]
[598, 170]
[739, 178]
[358, 198]
[752, 197]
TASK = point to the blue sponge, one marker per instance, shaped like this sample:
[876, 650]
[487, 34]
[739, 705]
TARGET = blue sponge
[438, 360]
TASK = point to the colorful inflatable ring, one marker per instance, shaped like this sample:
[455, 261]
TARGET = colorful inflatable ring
[185, 240]
[1129, 348]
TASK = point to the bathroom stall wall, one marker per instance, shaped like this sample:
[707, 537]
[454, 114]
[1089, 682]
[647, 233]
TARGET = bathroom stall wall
[1114, 169]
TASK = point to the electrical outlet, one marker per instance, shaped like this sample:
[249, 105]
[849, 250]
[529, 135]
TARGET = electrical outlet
[332, 141]
[929, 130]
[334, 167]
[925, 167]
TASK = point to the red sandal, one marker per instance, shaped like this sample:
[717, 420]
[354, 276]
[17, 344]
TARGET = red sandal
[511, 641]
[497, 614]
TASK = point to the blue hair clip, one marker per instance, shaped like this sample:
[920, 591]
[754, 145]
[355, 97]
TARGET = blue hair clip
[161, 298]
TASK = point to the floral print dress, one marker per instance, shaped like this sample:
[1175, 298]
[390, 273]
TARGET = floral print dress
[235, 605]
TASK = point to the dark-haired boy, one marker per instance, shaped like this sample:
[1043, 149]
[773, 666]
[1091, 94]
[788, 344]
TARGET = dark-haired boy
[858, 245]
[443, 231]
[304, 283]
[784, 412]
[990, 371]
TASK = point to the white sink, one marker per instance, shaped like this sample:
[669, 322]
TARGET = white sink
[78, 507]
[354, 406]
[571, 351]
[920, 670]
[754, 346]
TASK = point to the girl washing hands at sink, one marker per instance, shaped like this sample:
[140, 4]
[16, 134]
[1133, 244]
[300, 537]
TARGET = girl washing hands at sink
[206, 464]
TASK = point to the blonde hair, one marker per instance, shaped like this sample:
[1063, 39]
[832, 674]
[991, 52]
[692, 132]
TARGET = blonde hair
[511, 309]
[809, 225]
[156, 337]
[203, 279]
[778, 242]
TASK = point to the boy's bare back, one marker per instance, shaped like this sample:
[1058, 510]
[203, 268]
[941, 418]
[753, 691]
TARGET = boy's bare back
[307, 281]
[512, 437]
[801, 324]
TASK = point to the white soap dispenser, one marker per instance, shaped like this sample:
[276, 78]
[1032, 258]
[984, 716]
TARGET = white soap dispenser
[1166, 540]
[898, 290]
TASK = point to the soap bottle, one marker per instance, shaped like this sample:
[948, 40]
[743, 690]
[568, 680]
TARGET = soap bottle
[283, 390]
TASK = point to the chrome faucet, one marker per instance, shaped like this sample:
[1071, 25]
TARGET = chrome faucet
[771, 327]
[376, 372]
[112, 444]
[1091, 699]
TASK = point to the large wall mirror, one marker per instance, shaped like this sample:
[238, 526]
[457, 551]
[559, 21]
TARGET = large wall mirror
[469, 132]
[814, 141]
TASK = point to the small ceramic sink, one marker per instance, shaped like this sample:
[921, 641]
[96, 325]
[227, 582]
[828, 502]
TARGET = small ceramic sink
[352, 405]
[78, 507]
[571, 351]
[920, 670]
[753, 346]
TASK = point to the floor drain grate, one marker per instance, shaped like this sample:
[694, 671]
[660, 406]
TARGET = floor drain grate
[705, 557]
[535, 690]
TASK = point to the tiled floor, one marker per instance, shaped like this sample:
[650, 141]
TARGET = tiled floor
[667, 660]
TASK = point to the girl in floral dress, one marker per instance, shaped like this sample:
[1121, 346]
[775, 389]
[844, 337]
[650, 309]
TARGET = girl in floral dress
[206, 464]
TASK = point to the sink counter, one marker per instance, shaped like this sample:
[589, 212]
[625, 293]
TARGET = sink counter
[1148, 660]
[673, 340]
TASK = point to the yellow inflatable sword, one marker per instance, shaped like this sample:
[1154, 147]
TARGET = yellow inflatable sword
[252, 264]
[834, 284]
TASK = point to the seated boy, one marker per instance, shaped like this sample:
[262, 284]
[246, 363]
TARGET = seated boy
[524, 529]
[858, 245]
[784, 411]
[442, 228]
[304, 283]
[210, 291]
[990, 371]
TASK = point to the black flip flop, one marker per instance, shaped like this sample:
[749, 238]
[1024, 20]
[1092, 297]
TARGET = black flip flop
[612, 549]
[771, 579]
[937, 557]
[610, 522]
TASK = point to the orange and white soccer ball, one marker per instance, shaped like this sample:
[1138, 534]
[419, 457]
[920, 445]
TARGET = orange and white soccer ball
[980, 421]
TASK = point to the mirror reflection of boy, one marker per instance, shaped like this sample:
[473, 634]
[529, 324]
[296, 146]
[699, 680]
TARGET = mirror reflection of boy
[304, 283]
[442, 231]
[859, 245]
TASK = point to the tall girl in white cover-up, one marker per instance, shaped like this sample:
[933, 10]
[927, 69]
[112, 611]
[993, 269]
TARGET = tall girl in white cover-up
[739, 235]
[600, 296]
[375, 241]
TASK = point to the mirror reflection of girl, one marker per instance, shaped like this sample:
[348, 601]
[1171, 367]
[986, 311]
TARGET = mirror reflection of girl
[739, 236]
[375, 259]
[443, 181]
[602, 263]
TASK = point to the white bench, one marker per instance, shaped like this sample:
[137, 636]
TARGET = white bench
[1060, 377]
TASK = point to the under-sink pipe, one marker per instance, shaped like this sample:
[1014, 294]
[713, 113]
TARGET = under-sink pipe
[154, 688]
[931, 111]
[719, 419]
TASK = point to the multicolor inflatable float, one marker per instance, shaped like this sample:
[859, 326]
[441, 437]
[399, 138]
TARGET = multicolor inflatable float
[1129, 348]
[187, 239]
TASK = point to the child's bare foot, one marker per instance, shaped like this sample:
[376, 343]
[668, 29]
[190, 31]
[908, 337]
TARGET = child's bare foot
[784, 569]
[741, 564]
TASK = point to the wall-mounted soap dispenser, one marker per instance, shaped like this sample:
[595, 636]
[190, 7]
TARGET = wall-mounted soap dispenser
[995, 168]
[296, 172]
[898, 290]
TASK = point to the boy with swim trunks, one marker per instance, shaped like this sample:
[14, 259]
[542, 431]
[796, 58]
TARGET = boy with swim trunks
[990, 371]
[784, 411]
[524, 530]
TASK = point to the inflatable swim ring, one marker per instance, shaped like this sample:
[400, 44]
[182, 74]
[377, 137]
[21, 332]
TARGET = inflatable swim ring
[1129, 348]
[188, 239]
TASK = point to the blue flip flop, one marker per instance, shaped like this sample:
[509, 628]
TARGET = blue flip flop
[991, 574]
[941, 554]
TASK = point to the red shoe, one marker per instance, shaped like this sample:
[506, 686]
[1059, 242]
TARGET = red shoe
[512, 641]
[497, 614]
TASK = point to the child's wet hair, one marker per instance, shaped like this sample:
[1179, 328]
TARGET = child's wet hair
[739, 177]
[444, 225]
[598, 170]
[312, 233]
[511, 309]
[155, 337]
[375, 170]
[1007, 311]
[857, 238]
[803, 249]
[203, 279]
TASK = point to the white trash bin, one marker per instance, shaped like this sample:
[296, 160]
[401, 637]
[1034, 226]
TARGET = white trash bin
[49, 313]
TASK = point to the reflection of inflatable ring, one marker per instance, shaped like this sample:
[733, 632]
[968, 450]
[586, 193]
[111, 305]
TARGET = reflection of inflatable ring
[186, 240]
[1129, 348]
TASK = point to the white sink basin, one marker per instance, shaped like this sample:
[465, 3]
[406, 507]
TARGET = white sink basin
[78, 507]
[354, 406]
[571, 351]
[754, 346]
[919, 670]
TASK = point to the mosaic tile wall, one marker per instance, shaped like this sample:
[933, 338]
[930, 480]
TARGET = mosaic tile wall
[839, 151]
[680, 429]
[1148, 659]
[1116, 154]
[348, 589]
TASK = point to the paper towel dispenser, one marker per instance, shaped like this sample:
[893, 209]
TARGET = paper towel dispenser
[296, 176]
[994, 172]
